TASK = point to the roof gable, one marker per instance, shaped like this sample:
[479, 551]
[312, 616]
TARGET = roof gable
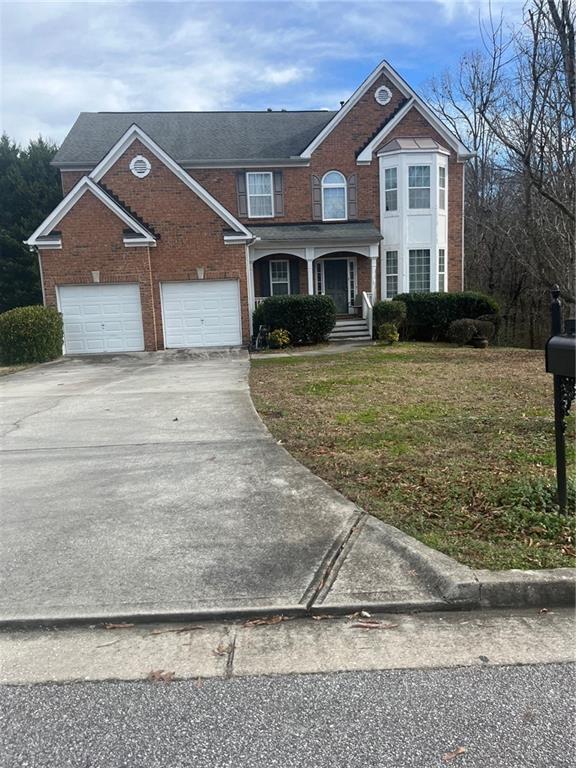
[87, 185]
[136, 133]
[413, 100]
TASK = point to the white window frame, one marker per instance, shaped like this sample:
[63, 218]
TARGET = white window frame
[249, 196]
[331, 185]
[442, 273]
[429, 187]
[390, 189]
[279, 282]
[442, 188]
[392, 274]
[429, 250]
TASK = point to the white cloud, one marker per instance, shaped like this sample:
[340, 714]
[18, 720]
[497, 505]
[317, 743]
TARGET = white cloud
[60, 58]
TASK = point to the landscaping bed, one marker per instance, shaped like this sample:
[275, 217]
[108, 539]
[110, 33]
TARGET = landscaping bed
[453, 445]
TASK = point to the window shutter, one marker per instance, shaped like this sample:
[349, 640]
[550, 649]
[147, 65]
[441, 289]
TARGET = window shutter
[316, 198]
[241, 195]
[294, 275]
[278, 193]
[264, 267]
[352, 196]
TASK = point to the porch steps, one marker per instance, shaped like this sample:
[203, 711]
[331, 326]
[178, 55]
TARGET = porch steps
[350, 330]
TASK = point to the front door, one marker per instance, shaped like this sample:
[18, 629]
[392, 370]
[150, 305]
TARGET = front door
[336, 283]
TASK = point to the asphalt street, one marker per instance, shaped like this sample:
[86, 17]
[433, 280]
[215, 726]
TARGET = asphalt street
[516, 716]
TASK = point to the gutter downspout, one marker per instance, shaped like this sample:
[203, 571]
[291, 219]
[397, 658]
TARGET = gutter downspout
[41, 275]
[152, 300]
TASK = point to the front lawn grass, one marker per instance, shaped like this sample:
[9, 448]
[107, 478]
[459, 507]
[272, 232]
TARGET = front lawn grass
[453, 445]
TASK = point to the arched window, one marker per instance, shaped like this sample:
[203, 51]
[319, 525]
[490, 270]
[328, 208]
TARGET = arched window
[334, 205]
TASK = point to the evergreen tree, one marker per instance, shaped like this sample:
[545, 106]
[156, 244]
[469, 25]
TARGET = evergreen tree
[29, 190]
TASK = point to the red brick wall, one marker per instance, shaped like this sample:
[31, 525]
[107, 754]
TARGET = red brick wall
[191, 234]
[70, 178]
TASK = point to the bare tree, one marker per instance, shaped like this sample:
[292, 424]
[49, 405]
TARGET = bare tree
[513, 105]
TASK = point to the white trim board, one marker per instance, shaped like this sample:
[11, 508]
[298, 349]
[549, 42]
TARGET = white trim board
[406, 90]
[86, 185]
[135, 133]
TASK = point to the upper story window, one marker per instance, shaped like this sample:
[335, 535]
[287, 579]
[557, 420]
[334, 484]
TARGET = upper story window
[260, 194]
[418, 186]
[334, 207]
[391, 189]
[442, 188]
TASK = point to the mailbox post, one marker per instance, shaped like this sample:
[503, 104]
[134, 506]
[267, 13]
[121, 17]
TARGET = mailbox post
[561, 362]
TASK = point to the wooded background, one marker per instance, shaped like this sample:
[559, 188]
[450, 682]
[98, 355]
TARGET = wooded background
[512, 103]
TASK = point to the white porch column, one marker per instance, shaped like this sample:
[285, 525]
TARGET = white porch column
[310, 268]
[373, 264]
[250, 282]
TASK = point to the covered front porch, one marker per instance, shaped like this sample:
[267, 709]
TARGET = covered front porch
[336, 260]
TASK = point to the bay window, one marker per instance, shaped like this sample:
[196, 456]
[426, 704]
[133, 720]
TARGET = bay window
[391, 189]
[441, 270]
[442, 188]
[418, 186]
[419, 269]
[391, 274]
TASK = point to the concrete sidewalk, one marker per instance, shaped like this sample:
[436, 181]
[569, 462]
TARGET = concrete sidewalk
[147, 487]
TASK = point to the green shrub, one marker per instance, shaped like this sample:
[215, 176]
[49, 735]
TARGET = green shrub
[462, 331]
[530, 506]
[389, 312]
[428, 315]
[388, 332]
[279, 338]
[308, 319]
[30, 335]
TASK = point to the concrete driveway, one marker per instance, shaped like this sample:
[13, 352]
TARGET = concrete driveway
[147, 486]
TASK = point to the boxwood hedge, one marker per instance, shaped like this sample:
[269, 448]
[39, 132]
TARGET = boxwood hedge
[428, 315]
[308, 319]
[30, 335]
[389, 312]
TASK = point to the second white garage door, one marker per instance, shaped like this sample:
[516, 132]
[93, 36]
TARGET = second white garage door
[201, 314]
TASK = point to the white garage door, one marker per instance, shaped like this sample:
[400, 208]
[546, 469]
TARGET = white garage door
[201, 314]
[101, 318]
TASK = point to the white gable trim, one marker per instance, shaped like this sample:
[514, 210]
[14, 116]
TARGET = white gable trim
[365, 156]
[86, 185]
[403, 87]
[135, 133]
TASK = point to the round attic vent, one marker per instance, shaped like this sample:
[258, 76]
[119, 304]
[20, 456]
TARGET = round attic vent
[383, 95]
[140, 166]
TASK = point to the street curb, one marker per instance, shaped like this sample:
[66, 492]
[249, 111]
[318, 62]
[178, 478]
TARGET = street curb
[527, 589]
[456, 583]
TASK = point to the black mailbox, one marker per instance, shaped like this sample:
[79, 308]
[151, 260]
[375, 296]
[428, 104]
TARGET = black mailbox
[561, 352]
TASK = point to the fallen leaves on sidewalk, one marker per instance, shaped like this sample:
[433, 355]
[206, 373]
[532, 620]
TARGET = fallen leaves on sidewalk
[258, 622]
[223, 649]
[359, 615]
[160, 676]
[322, 616]
[105, 645]
[118, 626]
[448, 757]
[372, 624]
[175, 629]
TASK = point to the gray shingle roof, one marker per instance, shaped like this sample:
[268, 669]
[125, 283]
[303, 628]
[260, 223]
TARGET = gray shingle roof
[191, 137]
[349, 231]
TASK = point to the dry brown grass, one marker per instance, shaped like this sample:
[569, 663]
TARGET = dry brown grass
[453, 445]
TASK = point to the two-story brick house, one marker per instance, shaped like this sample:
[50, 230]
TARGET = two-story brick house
[174, 225]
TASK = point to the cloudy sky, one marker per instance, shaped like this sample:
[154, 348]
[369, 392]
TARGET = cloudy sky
[61, 58]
